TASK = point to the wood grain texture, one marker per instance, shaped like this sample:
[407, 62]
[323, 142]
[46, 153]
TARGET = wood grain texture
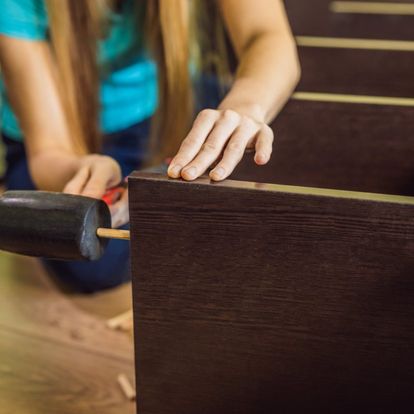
[38, 376]
[31, 304]
[257, 301]
[359, 72]
[57, 356]
[343, 146]
[314, 18]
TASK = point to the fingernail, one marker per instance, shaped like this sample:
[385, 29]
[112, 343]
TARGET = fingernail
[190, 172]
[175, 171]
[217, 173]
[260, 159]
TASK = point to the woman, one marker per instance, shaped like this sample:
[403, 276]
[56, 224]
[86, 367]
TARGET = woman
[82, 79]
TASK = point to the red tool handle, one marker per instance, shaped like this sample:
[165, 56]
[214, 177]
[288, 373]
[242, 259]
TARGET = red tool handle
[115, 193]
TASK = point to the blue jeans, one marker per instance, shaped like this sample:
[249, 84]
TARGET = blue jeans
[129, 148]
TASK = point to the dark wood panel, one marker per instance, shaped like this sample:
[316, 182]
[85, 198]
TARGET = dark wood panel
[343, 146]
[360, 72]
[251, 300]
[313, 18]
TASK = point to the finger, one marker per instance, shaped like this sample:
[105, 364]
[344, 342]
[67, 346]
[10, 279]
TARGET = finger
[234, 152]
[264, 145]
[120, 211]
[213, 147]
[102, 177]
[113, 208]
[77, 183]
[192, 143]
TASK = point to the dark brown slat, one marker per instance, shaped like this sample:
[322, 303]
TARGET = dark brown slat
[360, 72]
[313, 18]
[343, 146]
[258, 301]
[38, 376]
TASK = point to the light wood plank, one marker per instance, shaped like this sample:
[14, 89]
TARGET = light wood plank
[355, 43]
[352, 99]
[372, 7]
[31, 304]
[48, 377]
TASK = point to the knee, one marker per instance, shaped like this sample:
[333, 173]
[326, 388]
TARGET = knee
[111, 270]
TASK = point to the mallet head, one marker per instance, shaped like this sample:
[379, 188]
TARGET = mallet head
[52, 225]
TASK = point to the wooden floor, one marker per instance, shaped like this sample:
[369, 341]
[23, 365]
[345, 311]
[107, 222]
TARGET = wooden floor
[56, 354]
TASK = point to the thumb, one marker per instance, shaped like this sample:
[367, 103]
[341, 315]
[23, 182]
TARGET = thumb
[77, 183]
[102, 176]
[120, 211]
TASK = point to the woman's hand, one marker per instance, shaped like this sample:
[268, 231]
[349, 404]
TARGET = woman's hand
[267, 73]
[221, 135]
[95, 175]
[120, 211]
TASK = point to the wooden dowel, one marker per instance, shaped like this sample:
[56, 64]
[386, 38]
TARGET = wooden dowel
[120, 321]
[126, 387]
[127, 325]
[113, 234]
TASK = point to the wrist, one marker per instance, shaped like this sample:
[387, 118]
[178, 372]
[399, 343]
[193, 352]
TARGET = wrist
[239, 99]
[250, 109]
[63, 166]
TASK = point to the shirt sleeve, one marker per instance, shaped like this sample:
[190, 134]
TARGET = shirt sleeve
[24, 19]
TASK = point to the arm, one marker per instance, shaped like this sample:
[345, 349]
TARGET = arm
[267, 74]
[269, 69]
[32, 84]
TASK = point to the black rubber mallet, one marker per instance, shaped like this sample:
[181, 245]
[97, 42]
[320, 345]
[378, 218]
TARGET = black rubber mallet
[55, 225]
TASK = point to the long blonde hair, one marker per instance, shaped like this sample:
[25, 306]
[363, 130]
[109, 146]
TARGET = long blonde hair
[171, 30]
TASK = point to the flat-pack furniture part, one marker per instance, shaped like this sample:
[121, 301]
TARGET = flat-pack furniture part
[258, 298]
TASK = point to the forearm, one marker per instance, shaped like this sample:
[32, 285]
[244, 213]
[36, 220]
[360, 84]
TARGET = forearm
[32, 84]
[267, 74]
[52, 169]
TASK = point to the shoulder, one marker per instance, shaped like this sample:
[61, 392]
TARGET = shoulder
[25, 19]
